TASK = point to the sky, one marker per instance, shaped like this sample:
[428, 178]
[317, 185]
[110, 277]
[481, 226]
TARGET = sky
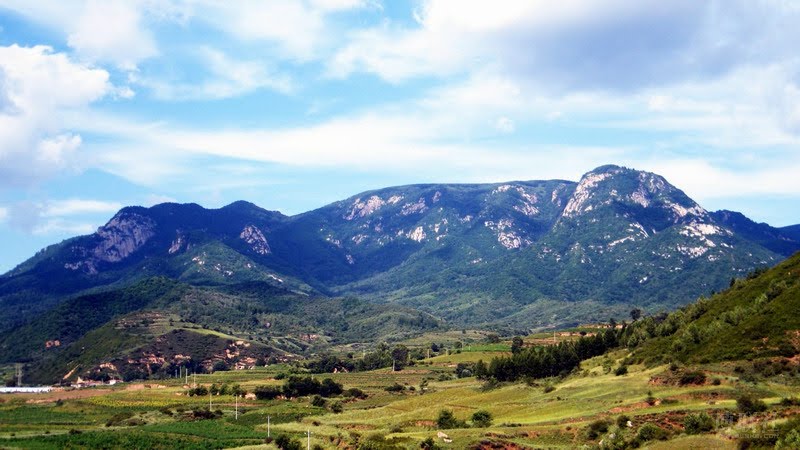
[294, 104]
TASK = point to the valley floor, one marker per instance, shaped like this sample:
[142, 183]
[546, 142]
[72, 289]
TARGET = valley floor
[546, 414]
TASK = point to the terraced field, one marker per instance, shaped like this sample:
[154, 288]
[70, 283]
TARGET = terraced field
[552, 413]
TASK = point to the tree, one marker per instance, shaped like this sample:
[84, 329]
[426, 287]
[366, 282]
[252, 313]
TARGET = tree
[267, 392]
[636, 314]
[284, 442]
[330, 388]
[516, 344]
[447, 420]
[482, 419]
[400, 356]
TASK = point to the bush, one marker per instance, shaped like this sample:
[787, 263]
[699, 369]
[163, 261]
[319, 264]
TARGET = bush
[597, 428]
[397, 387]
[429, 444]
[693, 377]
[622, 421]
[698, 423]
[330, 388]
[549, 388]
[447, 420]
[650, 432]
[284, 442]
[267, 392]
[621, 370]
[482, 419]
[318, 401]
[750, 405]
[336, 407]
[355, 393]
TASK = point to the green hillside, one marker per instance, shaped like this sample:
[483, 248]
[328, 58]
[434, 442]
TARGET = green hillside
[756, 317]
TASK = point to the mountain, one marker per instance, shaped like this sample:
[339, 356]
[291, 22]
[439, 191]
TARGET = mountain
[792, 232]
[755, 318]
[387, 263]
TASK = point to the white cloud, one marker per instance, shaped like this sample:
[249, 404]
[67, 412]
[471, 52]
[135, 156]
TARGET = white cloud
[3, 214]
[62, 227]
[504, 125]
[227, 78]
[575, 44]
[78, 206]
[298, 30]
[40, 87]
[112, 30]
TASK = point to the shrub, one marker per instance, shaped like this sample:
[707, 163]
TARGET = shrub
[428, 444]
[698, 423]
[482, 419]
[397, 387]
[549, 388]
[650, 399]
[621, 370]
[447, 420]
[330, 388]
[693, 377]
[750, 405]
[622, 421]
[355, 393]
[336, 407]
[267, 392]
[318, 401]
[597, 428]
[650, 432]
[284, 442]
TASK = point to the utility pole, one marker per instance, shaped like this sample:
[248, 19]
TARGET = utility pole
[267, 426]
[19, 374]
[237, 407]
[209, 399]
[308, 445]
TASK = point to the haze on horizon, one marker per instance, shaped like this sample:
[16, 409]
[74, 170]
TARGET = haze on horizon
[292, 105]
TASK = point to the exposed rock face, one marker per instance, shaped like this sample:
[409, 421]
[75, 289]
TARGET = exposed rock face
[118, 239]
[177, 244]
[255, 239]
[367, 207]
[123, 235]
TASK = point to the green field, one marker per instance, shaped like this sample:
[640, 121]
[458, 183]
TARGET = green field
[551, 413]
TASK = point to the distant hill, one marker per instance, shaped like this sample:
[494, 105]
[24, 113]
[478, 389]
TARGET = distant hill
[755, 318]
[387, 263]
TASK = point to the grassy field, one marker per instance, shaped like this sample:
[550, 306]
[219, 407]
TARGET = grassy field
[552, 413]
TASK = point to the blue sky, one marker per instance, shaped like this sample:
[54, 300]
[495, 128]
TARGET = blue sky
[294, 104]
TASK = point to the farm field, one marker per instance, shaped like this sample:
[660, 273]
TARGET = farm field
[547, 413]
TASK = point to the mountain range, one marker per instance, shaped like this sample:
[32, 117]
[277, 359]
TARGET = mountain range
[516, 255]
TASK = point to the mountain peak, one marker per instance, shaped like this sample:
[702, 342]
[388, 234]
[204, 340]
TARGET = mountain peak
[621, 187]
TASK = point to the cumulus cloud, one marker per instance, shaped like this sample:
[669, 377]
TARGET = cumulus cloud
[108, 31]
[39, 87]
